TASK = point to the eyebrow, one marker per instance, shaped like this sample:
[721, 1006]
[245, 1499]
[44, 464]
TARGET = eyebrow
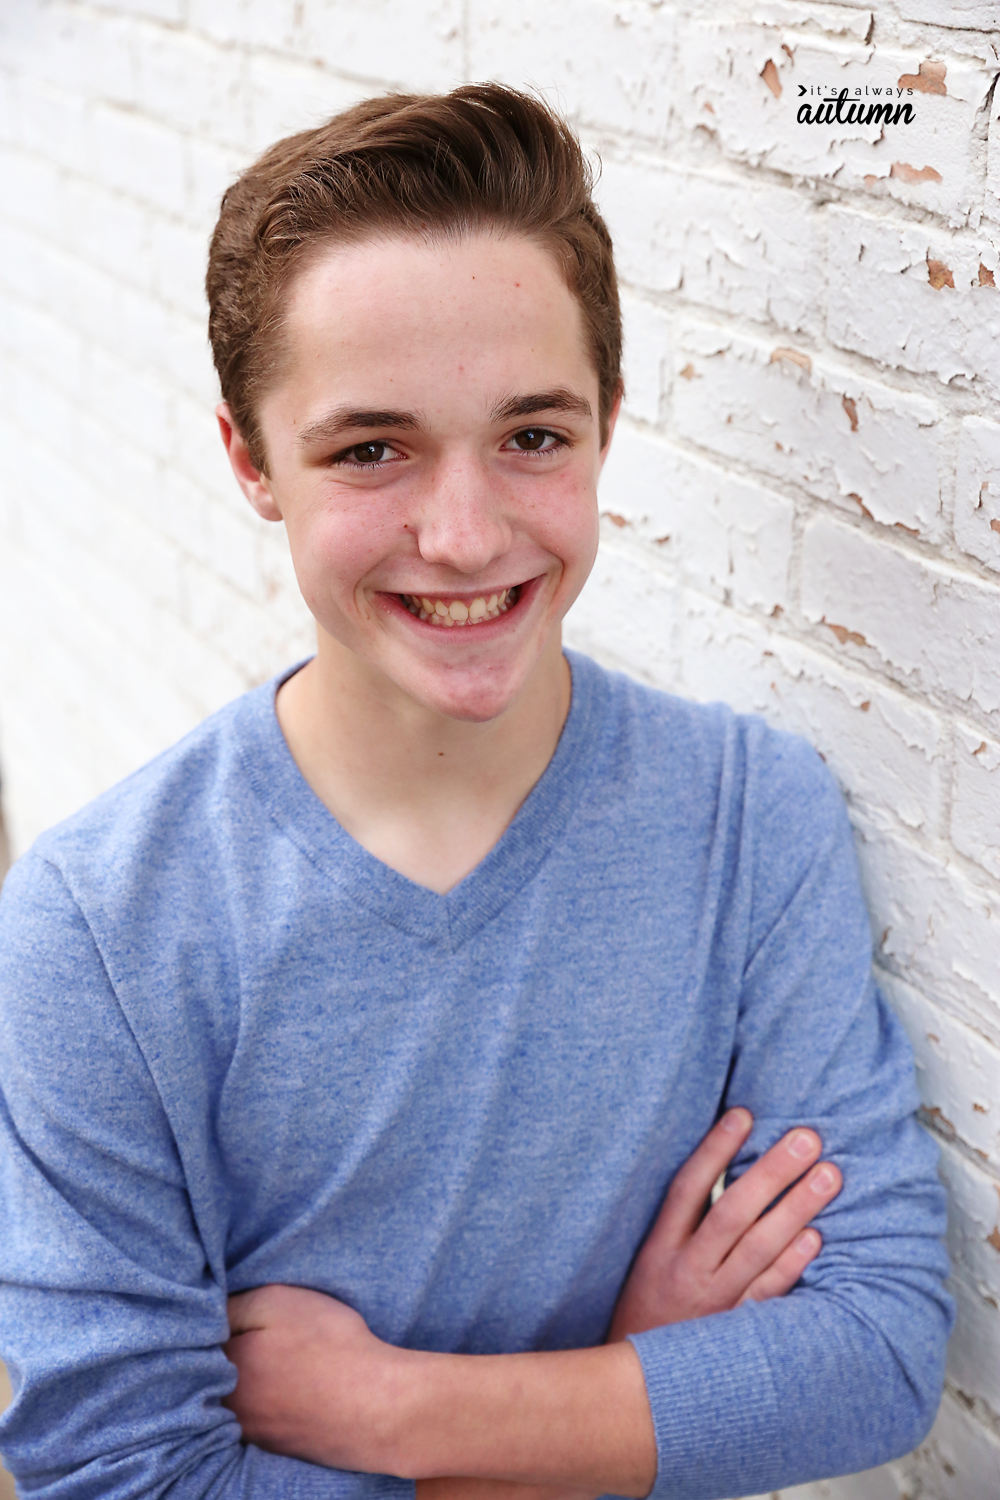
[559, 399]
[346, 418]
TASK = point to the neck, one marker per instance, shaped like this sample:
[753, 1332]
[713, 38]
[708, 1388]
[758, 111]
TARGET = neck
[426, 794]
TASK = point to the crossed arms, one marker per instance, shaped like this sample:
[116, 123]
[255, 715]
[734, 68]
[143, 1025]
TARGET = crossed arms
[314, 1383]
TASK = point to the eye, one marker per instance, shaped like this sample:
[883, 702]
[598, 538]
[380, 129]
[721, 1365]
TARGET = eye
[370, 455]
[536, 440]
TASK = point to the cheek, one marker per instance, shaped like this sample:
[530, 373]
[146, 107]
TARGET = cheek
[334, 548]
[567, 523]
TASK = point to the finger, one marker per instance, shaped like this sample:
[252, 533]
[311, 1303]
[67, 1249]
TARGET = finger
[692, 1184]
[780, 1277]
[767, 1240]
[743, 1202]
[247, 1310]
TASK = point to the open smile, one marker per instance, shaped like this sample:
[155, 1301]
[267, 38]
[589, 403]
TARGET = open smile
[447, 610]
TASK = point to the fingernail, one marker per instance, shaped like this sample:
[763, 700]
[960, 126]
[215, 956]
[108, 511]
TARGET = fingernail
[808, 1242]
[802, 1144]
[824, 1179]
[735, 1121]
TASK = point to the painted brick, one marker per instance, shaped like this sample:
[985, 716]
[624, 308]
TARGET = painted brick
[190, 85]
[157, 10]
[45, 345]
[936, 629]
[619, 83]
[626, 614]
[991, 202]
[958, 1072]
[139, 158]
[722, 530]
[978, 15]
[420, 46]
[57, 125]
[933, 926]
[977, 491]
[256, 643]
[973, 1221]
[973, 1369]
[197, 449]
[225, 21]
[131, 402]
[975, 809]
[843, 438]
[209, 170]
[959, 1460]
[742, 82]
[946, 331]
[754, 250]
[83, 53]
[285, 96]
[177, 257]
[886, 751]
[646, 357]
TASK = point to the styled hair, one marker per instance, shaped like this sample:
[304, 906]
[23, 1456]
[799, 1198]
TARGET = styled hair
[482, 158]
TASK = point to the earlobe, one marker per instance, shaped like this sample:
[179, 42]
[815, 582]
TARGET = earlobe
[254, 484]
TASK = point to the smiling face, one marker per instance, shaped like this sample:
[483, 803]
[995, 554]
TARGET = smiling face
[433, 448]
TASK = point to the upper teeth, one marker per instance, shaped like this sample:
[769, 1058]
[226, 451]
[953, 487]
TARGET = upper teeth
[456, 611]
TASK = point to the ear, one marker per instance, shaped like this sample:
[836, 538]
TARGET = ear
[253, 482]
[616, 407]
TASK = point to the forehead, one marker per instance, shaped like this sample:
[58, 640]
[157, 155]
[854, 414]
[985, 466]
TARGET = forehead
[438, 319]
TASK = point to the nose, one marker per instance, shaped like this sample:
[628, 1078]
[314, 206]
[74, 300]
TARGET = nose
[461, 521]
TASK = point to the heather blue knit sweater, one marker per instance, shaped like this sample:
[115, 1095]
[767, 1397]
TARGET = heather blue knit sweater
[237, 1049]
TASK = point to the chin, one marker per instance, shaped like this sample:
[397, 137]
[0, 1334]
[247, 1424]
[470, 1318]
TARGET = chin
[486, 696]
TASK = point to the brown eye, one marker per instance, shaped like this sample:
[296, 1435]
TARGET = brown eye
[531, 439]
[369, 453]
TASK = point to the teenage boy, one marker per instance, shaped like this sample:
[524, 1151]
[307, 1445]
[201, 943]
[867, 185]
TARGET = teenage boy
[403, 989]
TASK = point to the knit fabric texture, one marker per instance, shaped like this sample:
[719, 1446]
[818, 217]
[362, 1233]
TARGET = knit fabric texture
[237, 1049]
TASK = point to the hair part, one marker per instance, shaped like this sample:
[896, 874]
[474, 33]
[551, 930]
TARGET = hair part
[483, 158]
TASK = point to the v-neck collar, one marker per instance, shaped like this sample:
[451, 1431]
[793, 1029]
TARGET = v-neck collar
[443, 920]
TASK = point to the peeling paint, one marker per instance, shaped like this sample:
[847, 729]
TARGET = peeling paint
[843, 634]
[929, 79]
[794, 357]
[906, 173]
[939, 275]
[769, 73]
[689, 372]
[985, 276]
[851, 408]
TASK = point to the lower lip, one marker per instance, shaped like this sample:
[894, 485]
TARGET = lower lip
[484, 629]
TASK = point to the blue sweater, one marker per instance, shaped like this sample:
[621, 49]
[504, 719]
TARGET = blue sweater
[235, 1049]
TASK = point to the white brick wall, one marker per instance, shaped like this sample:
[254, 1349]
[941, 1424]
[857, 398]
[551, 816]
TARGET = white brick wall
[802, 506]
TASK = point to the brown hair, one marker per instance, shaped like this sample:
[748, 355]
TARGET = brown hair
[481, 157]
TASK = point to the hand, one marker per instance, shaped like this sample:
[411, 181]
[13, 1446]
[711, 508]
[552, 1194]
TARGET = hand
[314, 1381]
[496, 1489]
[693, 1263]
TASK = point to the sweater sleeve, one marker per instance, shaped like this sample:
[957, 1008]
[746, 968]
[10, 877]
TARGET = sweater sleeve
[111, 1322]
[846, 1371]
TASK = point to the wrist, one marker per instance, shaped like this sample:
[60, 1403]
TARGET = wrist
[418, 1403]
